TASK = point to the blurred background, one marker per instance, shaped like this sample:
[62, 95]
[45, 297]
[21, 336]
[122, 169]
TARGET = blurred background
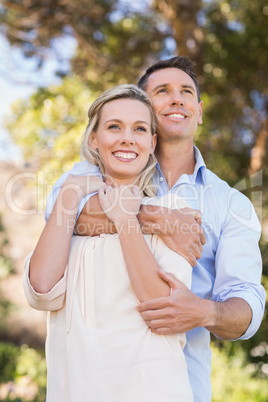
[59, 55]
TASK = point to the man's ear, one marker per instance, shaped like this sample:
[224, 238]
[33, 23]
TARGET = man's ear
[200, 112]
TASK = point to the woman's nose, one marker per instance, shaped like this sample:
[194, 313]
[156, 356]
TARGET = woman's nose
[127, 138]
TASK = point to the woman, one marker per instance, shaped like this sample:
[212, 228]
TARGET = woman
[98, 346]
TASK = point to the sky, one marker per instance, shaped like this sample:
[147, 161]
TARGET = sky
[9, 93]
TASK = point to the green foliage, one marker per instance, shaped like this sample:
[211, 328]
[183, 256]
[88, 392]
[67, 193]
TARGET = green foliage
[233, 378]
[22, 373]
[109, 35]
[115, 42]
[6, 269]
[235, 84]
[8, 361]
[49, 125]
[6, 265]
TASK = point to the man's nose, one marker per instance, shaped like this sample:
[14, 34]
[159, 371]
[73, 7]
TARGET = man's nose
[177, 98]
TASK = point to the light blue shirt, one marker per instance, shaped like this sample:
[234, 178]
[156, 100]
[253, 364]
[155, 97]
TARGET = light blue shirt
[230, 265]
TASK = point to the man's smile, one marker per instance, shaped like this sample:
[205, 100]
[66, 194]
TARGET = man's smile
[177, 115]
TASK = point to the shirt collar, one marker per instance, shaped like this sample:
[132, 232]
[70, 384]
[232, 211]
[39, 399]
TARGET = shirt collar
[200, 166]
[198, 174]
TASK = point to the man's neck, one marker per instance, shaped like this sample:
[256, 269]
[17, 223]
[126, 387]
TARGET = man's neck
[175, 160]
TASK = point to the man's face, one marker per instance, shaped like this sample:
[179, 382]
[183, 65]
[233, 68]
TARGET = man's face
[175, 104]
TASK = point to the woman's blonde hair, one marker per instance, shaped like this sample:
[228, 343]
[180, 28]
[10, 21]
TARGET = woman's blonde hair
[144, 180]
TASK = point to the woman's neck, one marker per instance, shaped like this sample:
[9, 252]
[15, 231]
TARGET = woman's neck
[116, 182]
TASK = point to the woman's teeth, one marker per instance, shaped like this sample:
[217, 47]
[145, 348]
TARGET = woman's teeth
[125, 155]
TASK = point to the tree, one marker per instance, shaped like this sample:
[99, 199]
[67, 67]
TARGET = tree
[114, 44]
[182, 16]
[108, 34]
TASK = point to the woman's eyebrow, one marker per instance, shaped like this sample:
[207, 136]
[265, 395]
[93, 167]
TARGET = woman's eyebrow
[142, 122]
[114, 120]
[121, 121]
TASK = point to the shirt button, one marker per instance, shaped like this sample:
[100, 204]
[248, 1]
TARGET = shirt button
[161, 179]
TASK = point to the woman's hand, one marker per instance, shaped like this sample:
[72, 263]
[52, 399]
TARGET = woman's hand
[120, 203]
[83, 185]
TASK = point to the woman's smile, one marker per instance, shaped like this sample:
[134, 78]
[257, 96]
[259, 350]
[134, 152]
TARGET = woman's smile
[125, 156]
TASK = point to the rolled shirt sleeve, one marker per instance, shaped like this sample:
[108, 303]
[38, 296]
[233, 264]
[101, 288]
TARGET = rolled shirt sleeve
[51, 301]
[81, 169]
[238, 261]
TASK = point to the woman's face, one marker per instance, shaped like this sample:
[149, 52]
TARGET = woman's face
[124, 139]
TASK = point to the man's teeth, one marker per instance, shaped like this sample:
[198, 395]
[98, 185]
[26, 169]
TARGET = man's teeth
[180, 116]
[125, 155]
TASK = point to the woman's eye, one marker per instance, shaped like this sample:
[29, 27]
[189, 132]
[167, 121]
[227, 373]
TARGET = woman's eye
[113, 126]
[140, 128]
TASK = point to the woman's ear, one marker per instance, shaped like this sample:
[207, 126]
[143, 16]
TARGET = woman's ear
[153, 143]
[92, 140]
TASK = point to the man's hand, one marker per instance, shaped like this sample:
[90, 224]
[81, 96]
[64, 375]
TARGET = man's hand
[183, 311]
[83, 185]
[180, 229]
[179, 312]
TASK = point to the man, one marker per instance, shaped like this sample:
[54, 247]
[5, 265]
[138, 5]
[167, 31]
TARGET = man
[226, 296]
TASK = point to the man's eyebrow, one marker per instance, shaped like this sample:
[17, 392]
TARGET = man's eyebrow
[189, 86]
[160, 86]
[184, 86]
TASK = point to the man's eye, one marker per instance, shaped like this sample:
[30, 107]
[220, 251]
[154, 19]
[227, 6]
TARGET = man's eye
[187, 91]
[161, 90]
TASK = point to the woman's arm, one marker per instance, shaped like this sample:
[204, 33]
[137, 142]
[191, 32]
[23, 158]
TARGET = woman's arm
[141, 264]
[50, 256]
[121, 205]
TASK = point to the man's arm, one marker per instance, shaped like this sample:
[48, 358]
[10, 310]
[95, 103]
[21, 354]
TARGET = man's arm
[184, 311]
[79, 169]
[237, 299]
[92, 221]
[180, 230]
